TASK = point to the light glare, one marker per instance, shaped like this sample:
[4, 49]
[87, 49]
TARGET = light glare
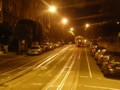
[52, 9]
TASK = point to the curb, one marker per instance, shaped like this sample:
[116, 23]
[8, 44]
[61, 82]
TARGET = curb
[3, 60]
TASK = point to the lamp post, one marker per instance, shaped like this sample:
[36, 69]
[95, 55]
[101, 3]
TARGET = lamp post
[64, 22]
[71, 31]
[51, 9]
[87, 25]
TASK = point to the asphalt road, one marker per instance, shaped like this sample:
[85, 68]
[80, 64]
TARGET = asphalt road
[65, 68]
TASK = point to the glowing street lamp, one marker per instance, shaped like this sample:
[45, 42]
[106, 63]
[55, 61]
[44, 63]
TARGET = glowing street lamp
[87, 25]
[71, 29]
[64, 20]
[52, 9]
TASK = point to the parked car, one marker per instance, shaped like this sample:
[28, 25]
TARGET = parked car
[44, 47]
[92, 44]
[105, 57]
[111, 69]
[111, 64]
[99, 53]
[51, 46]
[34, 50]
[93, 49]
[57, 44]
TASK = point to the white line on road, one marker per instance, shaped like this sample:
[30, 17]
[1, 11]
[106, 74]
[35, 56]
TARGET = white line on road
[106, 88]
[88, 64]
[38, 84]
[50, 58]
[84, 76]
[59, 74]
[66, 76]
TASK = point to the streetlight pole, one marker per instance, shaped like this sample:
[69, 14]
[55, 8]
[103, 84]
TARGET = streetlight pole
[86, 26]
[64, 22]
[71, 31]
[52, 9]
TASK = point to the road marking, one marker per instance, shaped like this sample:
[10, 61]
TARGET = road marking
[35, 68]
[58, 76]
[88, 64]
[38, 84]
[99, 78]
[84, 76]
[66, 76]
[50, 58]
[98, 87]
[44, 67]
[117, 80]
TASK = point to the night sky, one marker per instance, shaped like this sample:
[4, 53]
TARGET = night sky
[94, 12]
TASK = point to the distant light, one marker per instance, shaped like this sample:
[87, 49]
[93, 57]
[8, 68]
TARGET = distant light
[87, 25]
[85, 40]
[71, 28]
[52, 9]
[118, 22]
[64, 20]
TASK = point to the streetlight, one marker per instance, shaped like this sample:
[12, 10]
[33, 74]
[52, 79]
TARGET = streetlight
[52, 9]
[86, 26]
[71, 29]
[64, 20]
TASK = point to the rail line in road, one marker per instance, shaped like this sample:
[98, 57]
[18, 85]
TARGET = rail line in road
[88, 64]
[12, 74]
[74, 76]
[59, 75]
[60, 80]
[64, 72]
[34, 73]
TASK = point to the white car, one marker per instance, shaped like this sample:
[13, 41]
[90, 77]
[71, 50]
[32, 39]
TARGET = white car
[34, 50]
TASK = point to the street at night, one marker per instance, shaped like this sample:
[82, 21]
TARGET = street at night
[65, 68]
[59, 44]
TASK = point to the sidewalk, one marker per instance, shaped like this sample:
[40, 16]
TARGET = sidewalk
[4, 57]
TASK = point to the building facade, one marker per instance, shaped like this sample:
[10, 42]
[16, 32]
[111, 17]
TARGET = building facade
[12, 11]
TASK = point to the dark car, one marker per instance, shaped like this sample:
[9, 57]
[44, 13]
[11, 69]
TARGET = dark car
[111, 65]
[99, 51]
[44, 47]
[93, 49]
[105, 57]
[111, 69]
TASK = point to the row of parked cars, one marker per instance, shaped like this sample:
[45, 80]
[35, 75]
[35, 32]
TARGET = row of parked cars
[108, 61]
[36, 49]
